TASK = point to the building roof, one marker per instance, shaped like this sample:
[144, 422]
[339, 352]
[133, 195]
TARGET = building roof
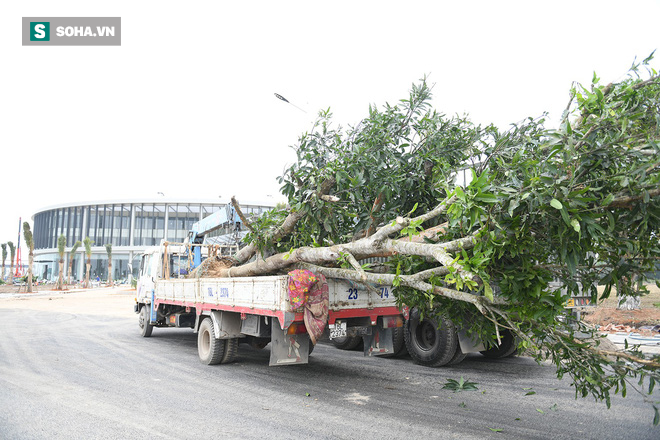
[155, 200]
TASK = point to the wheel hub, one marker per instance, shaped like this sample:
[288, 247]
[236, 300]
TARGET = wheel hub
[426, 335]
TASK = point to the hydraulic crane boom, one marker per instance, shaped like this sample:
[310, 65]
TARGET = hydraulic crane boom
[219, 219]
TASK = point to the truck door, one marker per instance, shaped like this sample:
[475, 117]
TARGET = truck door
[146, 280]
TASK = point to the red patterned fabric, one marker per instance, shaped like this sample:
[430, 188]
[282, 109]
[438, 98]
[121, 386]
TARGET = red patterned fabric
[300, 281]
[316, 309]
[311, 292]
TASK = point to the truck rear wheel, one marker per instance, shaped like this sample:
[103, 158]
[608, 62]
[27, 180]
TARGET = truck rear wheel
[347, 342]
[398, 343]
[258, 343]
[458, 356]
[144, 321]
[210, 349]
[431, 342]
[508, 346]
[231, 349]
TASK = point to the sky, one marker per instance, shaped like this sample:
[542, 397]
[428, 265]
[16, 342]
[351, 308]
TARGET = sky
[186, 106]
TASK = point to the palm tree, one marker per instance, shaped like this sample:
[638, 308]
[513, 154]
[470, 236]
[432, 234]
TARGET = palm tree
[72, 255]
[88, 252]
[12, 254]
[61, 245]
[108, 249]
[4, 258]
[27, 236]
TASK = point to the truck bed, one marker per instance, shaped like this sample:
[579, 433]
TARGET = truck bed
[268, 296]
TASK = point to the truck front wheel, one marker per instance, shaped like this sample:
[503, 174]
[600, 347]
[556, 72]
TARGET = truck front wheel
[144, 321]
[210, 349]
[431, 342]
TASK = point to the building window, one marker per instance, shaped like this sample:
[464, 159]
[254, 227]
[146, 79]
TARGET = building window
[180, 219]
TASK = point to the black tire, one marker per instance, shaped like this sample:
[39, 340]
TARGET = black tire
[399, 336]
[431, 342]
[258, 343]
[347, 342]
[210, 349]
[398, 343]
[231, 350]
[144, 321]
[458, 356]
[508, 347]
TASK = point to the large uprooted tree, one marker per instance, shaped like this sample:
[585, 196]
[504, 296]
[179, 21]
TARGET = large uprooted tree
[574, 207]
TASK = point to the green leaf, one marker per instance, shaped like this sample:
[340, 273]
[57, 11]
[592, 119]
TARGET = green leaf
[529, 393]
[460, 194]
[556, 204]
[565, 217]
[488, 291]
[540, 410]
[496, 429]
[460, 385]
[656, 418]
[513, 204]
[609, 199]
[486, 198]
[576, 225]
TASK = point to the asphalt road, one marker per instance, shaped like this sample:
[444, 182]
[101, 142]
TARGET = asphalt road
[81, 374]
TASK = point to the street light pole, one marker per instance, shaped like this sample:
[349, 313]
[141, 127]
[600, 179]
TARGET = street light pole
[282, 98]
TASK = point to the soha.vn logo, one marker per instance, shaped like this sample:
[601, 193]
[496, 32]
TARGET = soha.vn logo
[39, 31]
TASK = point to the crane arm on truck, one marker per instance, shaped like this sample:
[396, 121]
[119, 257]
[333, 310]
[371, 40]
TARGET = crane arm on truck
[213, 222]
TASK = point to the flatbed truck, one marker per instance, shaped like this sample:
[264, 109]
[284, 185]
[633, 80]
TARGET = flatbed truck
[257, 310]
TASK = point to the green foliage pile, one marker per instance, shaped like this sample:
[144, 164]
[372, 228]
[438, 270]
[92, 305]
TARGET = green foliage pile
[554, 212]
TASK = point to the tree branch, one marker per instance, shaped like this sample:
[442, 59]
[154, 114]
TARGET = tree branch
[400, 223]
[284, 229]
[244, 219]
[405, 280]
[627, 201]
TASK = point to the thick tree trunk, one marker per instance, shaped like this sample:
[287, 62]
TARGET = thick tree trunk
[376, 245]
[109, 273]
[325, 259]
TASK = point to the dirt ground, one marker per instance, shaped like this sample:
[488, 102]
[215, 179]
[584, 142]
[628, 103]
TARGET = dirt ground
[606, 312]
[114, 301]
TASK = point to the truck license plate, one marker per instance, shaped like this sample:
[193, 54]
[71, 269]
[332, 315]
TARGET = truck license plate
[337, 330]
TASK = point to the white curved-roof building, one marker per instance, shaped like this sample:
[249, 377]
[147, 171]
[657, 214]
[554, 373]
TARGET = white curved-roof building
[130, 225]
